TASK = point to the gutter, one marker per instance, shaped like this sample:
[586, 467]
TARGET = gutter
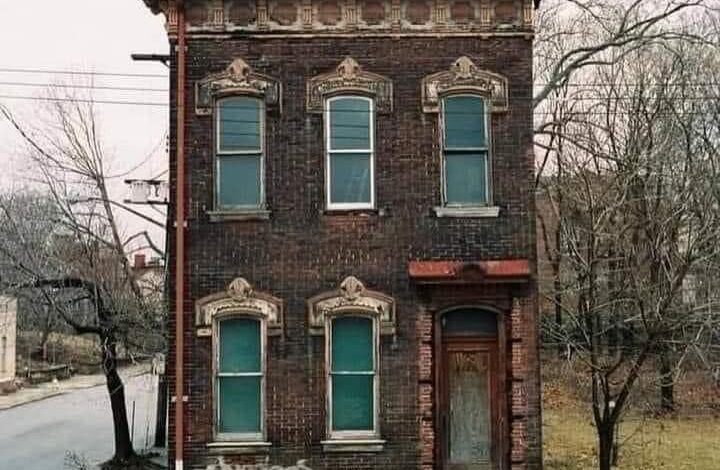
[180, 224]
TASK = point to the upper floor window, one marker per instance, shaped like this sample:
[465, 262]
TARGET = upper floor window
[240, 378]
[352, 380]
[350, 153]
[465, 151]
[240, 153]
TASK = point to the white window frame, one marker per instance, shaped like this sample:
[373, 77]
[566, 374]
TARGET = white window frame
[329, 151]
[239, 437]
[355, 434]
[219, 153]
[487, 149]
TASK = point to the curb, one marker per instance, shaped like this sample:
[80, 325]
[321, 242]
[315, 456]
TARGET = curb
[56, 393]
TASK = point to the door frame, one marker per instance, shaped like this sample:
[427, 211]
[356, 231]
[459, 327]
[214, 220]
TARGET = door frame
[499, 403]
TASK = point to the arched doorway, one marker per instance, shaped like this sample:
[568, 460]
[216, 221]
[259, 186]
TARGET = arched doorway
[469, 384]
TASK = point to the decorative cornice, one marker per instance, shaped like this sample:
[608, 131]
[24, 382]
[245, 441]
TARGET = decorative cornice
[237, 79]
[349, 17]
[239, 298]
[464, 76]
[351, 297]
[349, 77]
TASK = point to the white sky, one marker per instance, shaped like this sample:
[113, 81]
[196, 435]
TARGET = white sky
[88, 36]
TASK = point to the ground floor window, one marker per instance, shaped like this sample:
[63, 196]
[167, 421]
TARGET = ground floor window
[240, 358]
[352, 381]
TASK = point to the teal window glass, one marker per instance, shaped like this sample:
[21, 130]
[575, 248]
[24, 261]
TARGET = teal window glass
[465, 178]
[239, 124]
[352, 404]
[239, 153]
[464, 122]
[350, 121]
[239, 401]
[350, 176]
[239, 180]
[352, 374]
[239, 376]
[350, 151]
[465, 151]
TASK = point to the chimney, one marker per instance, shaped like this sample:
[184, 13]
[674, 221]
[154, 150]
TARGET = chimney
[139, 261]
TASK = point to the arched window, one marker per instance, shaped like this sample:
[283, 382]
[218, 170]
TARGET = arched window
[350, 153]
[352, 375]
[240, 377]
[240, 123]
[469, 322]
[466, 156]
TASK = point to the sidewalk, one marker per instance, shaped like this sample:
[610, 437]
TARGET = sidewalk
[50, 389]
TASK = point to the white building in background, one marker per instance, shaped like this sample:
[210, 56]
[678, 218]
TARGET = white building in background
[8, 335]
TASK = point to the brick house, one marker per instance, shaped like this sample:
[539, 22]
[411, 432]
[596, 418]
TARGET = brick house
[356, 234]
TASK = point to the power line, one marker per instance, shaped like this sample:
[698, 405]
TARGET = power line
[74, 72]
[73, 100]
[165, 105]
[82, 87]
[149, 75]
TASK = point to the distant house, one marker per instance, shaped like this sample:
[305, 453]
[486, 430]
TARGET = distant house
[149, 275]
[359, 258]
[8, 335]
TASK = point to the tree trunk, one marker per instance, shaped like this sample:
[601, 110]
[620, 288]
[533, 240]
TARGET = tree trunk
[123, 445]
[667, 388]
[606, 436]
[161, 415]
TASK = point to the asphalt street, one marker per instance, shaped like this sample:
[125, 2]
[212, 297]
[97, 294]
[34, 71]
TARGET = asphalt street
[39, 435]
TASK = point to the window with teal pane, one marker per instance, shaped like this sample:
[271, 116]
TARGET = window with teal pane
[352, 375]
[239, 377]
[465, 151]
[350, 152]
[239, 153]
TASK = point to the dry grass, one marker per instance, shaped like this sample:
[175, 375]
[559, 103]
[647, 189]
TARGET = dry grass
[683, 442]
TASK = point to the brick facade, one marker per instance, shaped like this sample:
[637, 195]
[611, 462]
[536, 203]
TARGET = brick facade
[303, 250]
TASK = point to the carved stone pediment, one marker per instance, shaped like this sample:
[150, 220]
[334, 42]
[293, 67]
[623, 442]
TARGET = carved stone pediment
[238, 79]
[349, 77]
[239, 298]
[351, 296]
[464, 76]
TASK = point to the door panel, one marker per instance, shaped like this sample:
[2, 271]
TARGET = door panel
[469, 403]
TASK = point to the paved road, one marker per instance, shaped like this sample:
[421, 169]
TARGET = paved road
[37, 436]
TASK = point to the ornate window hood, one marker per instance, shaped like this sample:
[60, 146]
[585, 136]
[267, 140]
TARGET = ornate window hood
[349, 78]
[237, 79]
[351, 297]
[239, 299]
[464, 76]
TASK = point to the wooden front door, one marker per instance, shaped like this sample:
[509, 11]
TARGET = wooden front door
[469, 404]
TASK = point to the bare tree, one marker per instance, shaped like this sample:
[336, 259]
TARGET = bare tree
[84, 260]
[574, 35]
[637, 203]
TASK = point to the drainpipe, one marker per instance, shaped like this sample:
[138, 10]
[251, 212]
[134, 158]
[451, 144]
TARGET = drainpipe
[180, 243]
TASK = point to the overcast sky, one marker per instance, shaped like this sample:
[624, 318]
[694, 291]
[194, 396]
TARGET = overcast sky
[88, 36]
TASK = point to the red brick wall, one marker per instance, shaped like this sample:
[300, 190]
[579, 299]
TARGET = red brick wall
[302, 250]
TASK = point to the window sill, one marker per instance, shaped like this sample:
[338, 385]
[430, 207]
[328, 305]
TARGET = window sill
[235, 447]
[239, 215]
[468, 212]
[369, 212]
[353, 445]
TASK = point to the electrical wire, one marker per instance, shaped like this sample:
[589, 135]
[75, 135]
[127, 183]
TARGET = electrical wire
[75, 72]
[83, 87]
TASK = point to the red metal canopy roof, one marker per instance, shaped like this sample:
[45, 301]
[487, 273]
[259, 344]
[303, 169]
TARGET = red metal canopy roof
[506, 270]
